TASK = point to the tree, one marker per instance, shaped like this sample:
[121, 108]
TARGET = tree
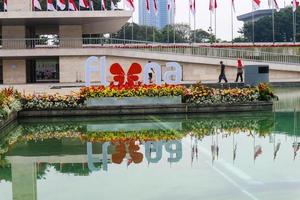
[202, 36]
[263, 27]
[165, 35]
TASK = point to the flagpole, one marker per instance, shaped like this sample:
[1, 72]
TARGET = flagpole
[132, 27]
[215, 25]
[253, 40]
[145, 22]
[169, 21]
[273, 22]
[154, 25]
[210, 27]
[190, 24]
[232, 21]
[295, 26]
[195, 26]
[294, 35]
[174, 33]
[124, 29]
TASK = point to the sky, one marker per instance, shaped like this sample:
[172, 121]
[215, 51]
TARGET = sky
[223, 14]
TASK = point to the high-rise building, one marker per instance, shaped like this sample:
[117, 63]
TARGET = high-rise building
[150, 19]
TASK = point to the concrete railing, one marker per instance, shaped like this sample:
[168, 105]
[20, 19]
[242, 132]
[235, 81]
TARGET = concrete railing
[182, 49]
[64, 42]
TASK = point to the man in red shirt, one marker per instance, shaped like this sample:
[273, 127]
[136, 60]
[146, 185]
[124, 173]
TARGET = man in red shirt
[239, 70]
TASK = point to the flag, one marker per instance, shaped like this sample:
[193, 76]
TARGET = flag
[147, 6]
[273, 4]
[5, 5]
[91, 4]
[36, 4]
[50, 5]
[112, 5]
[155, 7]
[258, 151]
[193, 6]
[276, 6]
[103, 4]
[174, 7]
[84, 3]
[233, 5]
[213, 5]
[256, 4]
[130, 4]
[295, 5]
[61, 4]
[72, 5]
[169, 5]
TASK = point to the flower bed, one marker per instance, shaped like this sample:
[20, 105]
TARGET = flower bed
[48, 102]
[132, 91]
[199, 94]
[9, 102]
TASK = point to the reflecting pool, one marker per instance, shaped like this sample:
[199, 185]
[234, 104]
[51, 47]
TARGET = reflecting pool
[236, 156]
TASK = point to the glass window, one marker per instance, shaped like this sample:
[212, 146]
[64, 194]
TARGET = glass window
[47, 70]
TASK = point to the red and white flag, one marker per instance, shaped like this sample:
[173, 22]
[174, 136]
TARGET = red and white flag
[276, 6]
[295, 5]
[130, 4]
[273, 4]
[193, 6]
[5, 5]
[61, 4]
[147, 6]
[257, 151]
[103, 5]
[112, 5]
[84, 3]
[169, 5]
[36, 4]
[213, 5]
[256, 4]
[155, 7]
[50, 5]
[72, 5]
[233, 5]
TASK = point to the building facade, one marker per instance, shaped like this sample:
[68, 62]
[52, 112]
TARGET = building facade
[160, 20]
[44, 46]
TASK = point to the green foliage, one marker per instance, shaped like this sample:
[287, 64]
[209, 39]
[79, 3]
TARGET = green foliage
[9, 102]
[183, 34]
[265, 92]
[263, 27]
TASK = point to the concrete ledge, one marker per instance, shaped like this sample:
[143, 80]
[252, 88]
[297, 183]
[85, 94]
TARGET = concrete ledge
[150, 109]
[3, 124]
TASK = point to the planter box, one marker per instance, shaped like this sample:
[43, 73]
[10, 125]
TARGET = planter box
[133, 101]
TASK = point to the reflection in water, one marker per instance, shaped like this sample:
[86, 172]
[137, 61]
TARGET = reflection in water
[232, 156]
[129, 151]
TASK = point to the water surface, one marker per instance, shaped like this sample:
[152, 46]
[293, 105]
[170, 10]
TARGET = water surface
[236, 156]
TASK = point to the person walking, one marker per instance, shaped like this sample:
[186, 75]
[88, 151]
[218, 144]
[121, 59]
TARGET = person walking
[150, 74]
[240, 70]
[222, 74]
